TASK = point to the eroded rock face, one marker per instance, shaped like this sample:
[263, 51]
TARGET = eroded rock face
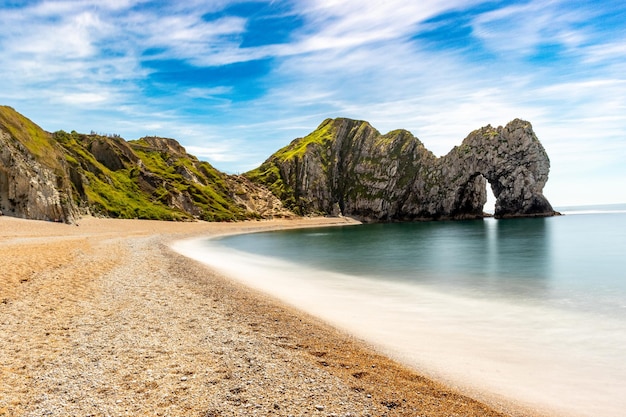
[512, 160]
[29, 189]
[58, 176]
[344, 167]
[256, 198]
[347, 167]
[112, 152]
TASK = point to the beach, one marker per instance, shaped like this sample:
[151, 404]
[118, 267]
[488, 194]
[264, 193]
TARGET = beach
[104, 318]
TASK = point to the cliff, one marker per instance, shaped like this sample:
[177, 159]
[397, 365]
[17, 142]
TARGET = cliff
[57, 176]
[33, 180]
[344, 167]
[348, 167]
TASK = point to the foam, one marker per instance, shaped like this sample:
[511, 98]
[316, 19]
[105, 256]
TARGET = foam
[541, 357]
[594, 211]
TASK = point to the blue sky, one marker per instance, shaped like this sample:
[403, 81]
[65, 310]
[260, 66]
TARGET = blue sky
[235, 81]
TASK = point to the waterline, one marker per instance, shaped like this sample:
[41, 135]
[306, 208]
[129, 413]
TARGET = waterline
[532, 310]
[548, 358]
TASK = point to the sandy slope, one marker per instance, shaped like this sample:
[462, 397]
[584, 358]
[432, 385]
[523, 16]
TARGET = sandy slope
[104, 319]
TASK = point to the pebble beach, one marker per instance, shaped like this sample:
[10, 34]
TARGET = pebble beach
[104, 319]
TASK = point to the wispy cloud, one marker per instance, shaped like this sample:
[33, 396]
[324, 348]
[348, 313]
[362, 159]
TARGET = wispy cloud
[234, 80]
[523, 28]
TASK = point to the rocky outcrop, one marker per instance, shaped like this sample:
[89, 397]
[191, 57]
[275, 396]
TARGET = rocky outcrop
[32, 186]
[256, 198]
[153, 178]
[347, 167]
[111, 151]
[58, 176]
[511, 159]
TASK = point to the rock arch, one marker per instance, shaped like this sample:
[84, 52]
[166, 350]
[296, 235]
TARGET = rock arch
[514, 163]
[348, 165]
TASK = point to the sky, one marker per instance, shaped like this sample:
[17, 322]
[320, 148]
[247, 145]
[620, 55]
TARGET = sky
[234, 81]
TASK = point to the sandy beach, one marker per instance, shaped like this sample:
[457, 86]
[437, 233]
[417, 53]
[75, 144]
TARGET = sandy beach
[104, 319]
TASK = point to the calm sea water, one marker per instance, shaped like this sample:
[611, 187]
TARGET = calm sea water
[576, 261]
[526, 310]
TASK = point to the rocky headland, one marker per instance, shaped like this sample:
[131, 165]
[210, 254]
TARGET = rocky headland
[347, 167]
[60, 176]
[344, 167]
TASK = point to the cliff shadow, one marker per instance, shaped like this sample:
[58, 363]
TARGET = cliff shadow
[4, 190]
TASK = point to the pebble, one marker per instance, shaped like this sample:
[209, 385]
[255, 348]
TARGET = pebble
[273, 386]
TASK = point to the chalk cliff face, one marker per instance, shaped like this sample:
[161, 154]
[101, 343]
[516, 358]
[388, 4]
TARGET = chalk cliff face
[347, 167]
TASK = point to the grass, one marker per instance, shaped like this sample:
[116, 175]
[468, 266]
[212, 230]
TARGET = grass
[322, 136]
[126, 193]
[37, 141]
[208, 189]
[142, 181]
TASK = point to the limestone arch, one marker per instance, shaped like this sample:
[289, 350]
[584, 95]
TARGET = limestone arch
[470, 197]
[514, 164]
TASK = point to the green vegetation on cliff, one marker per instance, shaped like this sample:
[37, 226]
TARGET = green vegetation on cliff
[149, 178]
[105, 191]
[135, 180]
[346, 166]
[322, 136]
[317, 174]
[269, 173]
[38, 142]
[184, 175]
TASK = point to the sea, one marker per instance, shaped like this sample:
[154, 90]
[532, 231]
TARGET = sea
[530, 312]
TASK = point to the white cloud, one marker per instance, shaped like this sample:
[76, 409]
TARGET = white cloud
[78, 65]
[84, 98]
[521, 28]
[188, 37]
[222, 153]
[609, 51]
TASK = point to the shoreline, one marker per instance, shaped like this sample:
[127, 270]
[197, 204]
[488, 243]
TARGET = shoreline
[105, 318]
[339, 300]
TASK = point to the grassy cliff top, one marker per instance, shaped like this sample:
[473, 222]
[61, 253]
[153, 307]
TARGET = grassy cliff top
[36, 140]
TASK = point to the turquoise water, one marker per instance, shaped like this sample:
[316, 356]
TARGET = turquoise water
[527, 310]
[576, 261]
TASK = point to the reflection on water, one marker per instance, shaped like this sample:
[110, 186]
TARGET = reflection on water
[520, 253]
[480, 255]
[576, 261]
[530, 309]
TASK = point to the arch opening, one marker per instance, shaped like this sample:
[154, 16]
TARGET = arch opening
[490, 205]
[475, 197]
[470, 197]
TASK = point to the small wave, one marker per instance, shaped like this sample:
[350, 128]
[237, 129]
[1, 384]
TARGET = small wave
[575, 212]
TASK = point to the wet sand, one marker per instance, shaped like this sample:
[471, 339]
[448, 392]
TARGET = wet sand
[105, 319]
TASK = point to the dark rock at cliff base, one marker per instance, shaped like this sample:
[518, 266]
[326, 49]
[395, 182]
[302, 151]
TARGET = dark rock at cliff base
[347, 167]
